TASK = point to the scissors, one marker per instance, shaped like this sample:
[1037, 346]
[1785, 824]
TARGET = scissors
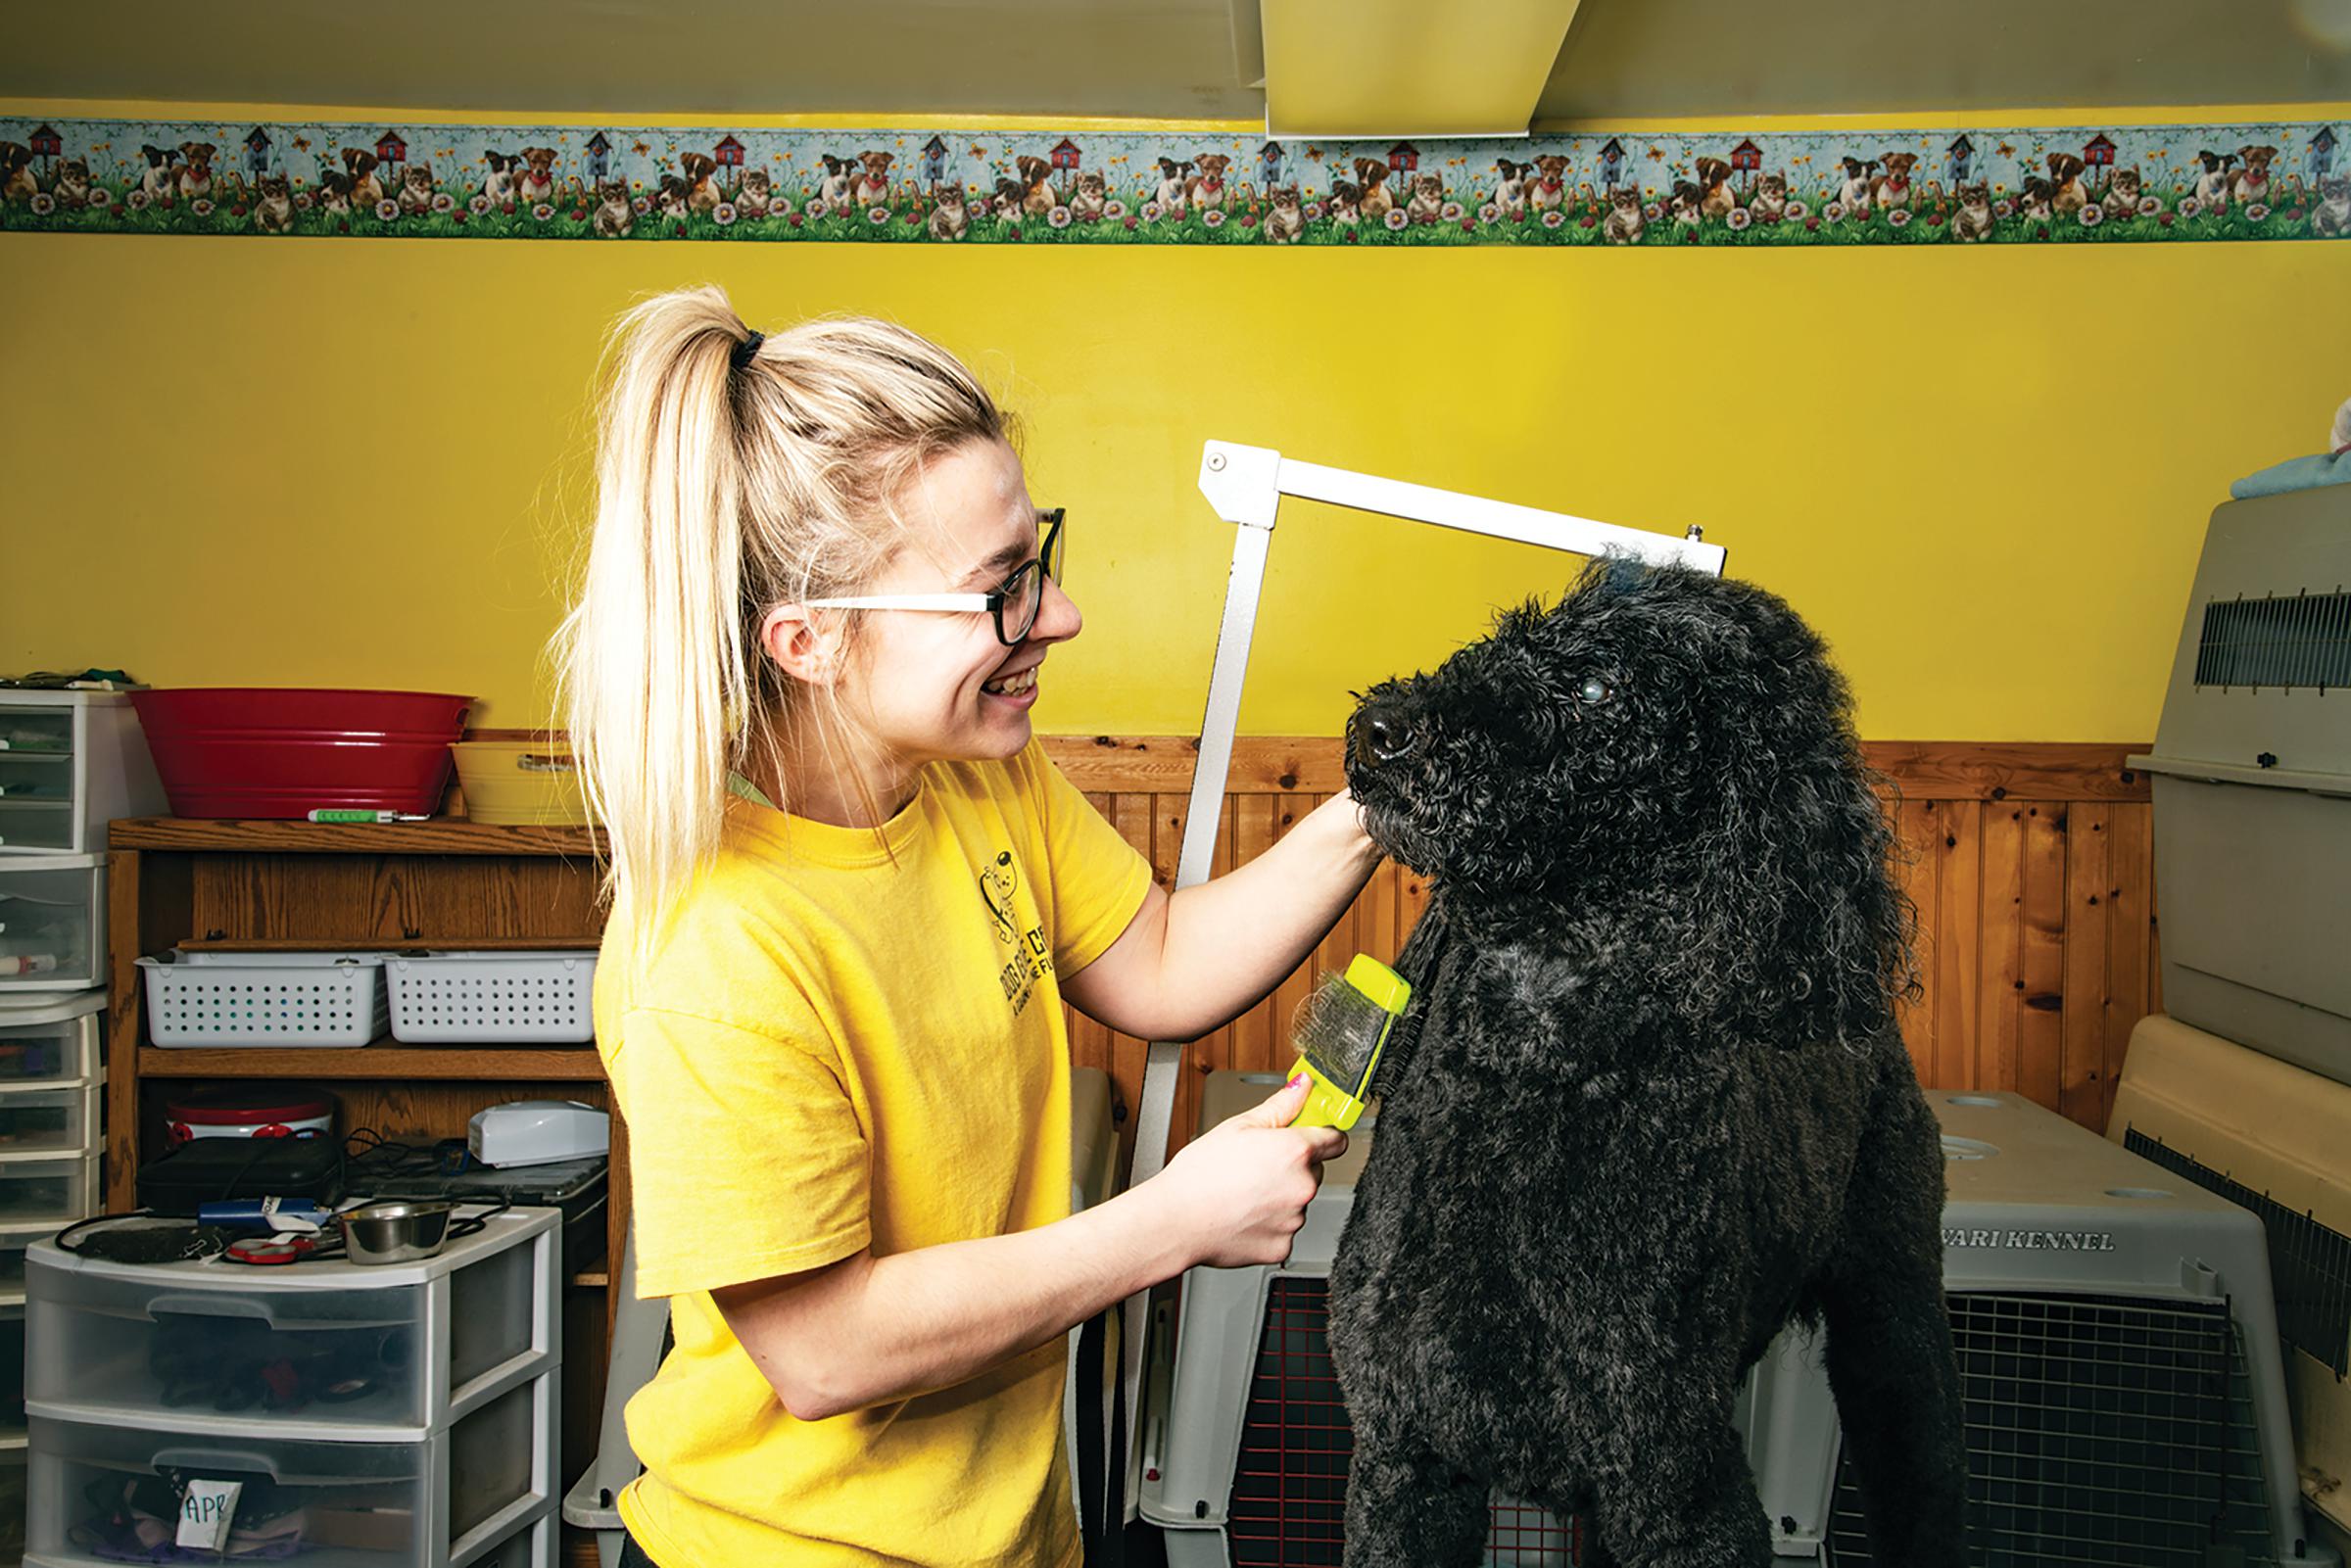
[284, 1248]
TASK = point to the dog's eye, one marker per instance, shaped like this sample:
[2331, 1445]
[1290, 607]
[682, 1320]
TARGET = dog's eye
[1593, 692]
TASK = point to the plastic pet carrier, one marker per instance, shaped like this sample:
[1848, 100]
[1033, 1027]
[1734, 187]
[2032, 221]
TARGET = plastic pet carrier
[1245, 1443]
[2118, 1355]
[2275, 1139]
[2252, 781]
[2118, 1351]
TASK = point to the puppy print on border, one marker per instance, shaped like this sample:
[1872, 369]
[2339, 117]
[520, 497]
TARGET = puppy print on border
[608, 183]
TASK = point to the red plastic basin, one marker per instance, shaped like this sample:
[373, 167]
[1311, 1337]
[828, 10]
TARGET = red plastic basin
[285, 751]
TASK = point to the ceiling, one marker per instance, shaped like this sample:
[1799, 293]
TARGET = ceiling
[1173, 59]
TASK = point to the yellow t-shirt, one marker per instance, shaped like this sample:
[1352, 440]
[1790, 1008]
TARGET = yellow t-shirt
[820, 1051]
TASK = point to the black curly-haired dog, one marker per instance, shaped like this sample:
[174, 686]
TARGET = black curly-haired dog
[1657, 1106]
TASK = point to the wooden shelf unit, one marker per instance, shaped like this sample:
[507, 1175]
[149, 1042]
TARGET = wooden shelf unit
[382, 1060]
[375, 887]
[441, 836]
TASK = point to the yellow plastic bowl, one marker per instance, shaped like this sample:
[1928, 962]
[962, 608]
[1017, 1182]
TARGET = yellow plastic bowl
[520, 782]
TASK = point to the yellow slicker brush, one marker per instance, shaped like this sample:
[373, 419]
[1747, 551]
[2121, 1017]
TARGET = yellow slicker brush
[1338, 1034]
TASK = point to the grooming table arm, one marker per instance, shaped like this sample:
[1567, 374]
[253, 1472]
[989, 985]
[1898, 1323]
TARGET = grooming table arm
[1245, 485]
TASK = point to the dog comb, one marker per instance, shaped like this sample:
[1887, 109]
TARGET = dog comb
[1338, 1033]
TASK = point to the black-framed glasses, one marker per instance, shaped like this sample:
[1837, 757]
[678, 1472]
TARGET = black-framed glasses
[1014, 604]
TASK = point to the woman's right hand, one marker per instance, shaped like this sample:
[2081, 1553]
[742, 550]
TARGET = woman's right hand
[1238, 1193]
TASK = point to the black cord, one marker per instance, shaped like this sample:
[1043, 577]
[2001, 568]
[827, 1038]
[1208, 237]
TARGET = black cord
[475, 1225]
[59, 1242]
[388, 1158]
[190, 1239]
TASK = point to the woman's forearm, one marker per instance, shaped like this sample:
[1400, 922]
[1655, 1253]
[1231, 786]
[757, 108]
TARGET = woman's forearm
[872, 1330]
[1233, 938]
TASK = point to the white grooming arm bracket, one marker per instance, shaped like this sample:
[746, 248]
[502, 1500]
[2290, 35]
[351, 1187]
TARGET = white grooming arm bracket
[1245, 485]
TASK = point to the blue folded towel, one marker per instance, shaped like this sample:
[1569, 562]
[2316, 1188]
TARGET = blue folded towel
[2295, 473]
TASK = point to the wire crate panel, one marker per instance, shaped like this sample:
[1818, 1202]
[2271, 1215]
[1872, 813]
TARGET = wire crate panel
[2101, 1430]
[1289, 1490]
[493, 998]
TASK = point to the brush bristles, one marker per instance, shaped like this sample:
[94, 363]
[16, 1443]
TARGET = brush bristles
[1337, 1028]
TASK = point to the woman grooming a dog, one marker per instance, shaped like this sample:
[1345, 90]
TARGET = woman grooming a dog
[849, 894]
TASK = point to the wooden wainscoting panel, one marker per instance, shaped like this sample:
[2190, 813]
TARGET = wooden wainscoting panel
[1961, 770]
[1958, 956]
[2130, 932]
[2032, 866]
[1253, 1033]
[2041, 957]
[1917, 835]
[1999, 947]
[2082, 1088]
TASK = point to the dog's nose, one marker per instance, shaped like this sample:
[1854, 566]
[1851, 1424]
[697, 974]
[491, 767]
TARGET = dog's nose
[1381, 738]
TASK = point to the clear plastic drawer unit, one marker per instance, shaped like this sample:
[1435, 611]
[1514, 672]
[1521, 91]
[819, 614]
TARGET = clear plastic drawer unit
[50, 1039]
[52, 913]
[69, 763]
[333, 1347]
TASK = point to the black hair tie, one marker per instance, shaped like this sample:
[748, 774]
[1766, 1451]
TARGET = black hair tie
[742, 351]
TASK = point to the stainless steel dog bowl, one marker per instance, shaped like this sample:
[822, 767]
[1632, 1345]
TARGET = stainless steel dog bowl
[395, 1232]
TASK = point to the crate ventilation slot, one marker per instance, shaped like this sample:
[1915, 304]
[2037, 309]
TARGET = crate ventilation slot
[2309, 1264]
[2300, 642]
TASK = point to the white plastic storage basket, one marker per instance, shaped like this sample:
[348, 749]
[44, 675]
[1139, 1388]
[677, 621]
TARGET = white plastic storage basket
[537, 998]
[71, 762]
[52, 923]
[278, 999]
[49, 1039]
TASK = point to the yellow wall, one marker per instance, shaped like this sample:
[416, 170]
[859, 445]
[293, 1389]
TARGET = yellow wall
[1984, 473]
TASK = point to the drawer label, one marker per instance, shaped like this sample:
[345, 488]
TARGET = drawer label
[207, 1512]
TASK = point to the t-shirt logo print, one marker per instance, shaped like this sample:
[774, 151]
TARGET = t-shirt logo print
[998, 879]
[1031, 958]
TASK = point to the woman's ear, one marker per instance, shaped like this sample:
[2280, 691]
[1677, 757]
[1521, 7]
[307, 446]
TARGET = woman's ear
[802, 647]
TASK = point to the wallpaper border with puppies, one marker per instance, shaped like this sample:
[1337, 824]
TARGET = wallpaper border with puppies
[2144, 183]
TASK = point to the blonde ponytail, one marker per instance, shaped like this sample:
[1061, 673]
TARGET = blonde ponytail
[721, 492]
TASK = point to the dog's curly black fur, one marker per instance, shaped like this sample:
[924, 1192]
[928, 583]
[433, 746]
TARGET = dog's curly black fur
[1656, 1105]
